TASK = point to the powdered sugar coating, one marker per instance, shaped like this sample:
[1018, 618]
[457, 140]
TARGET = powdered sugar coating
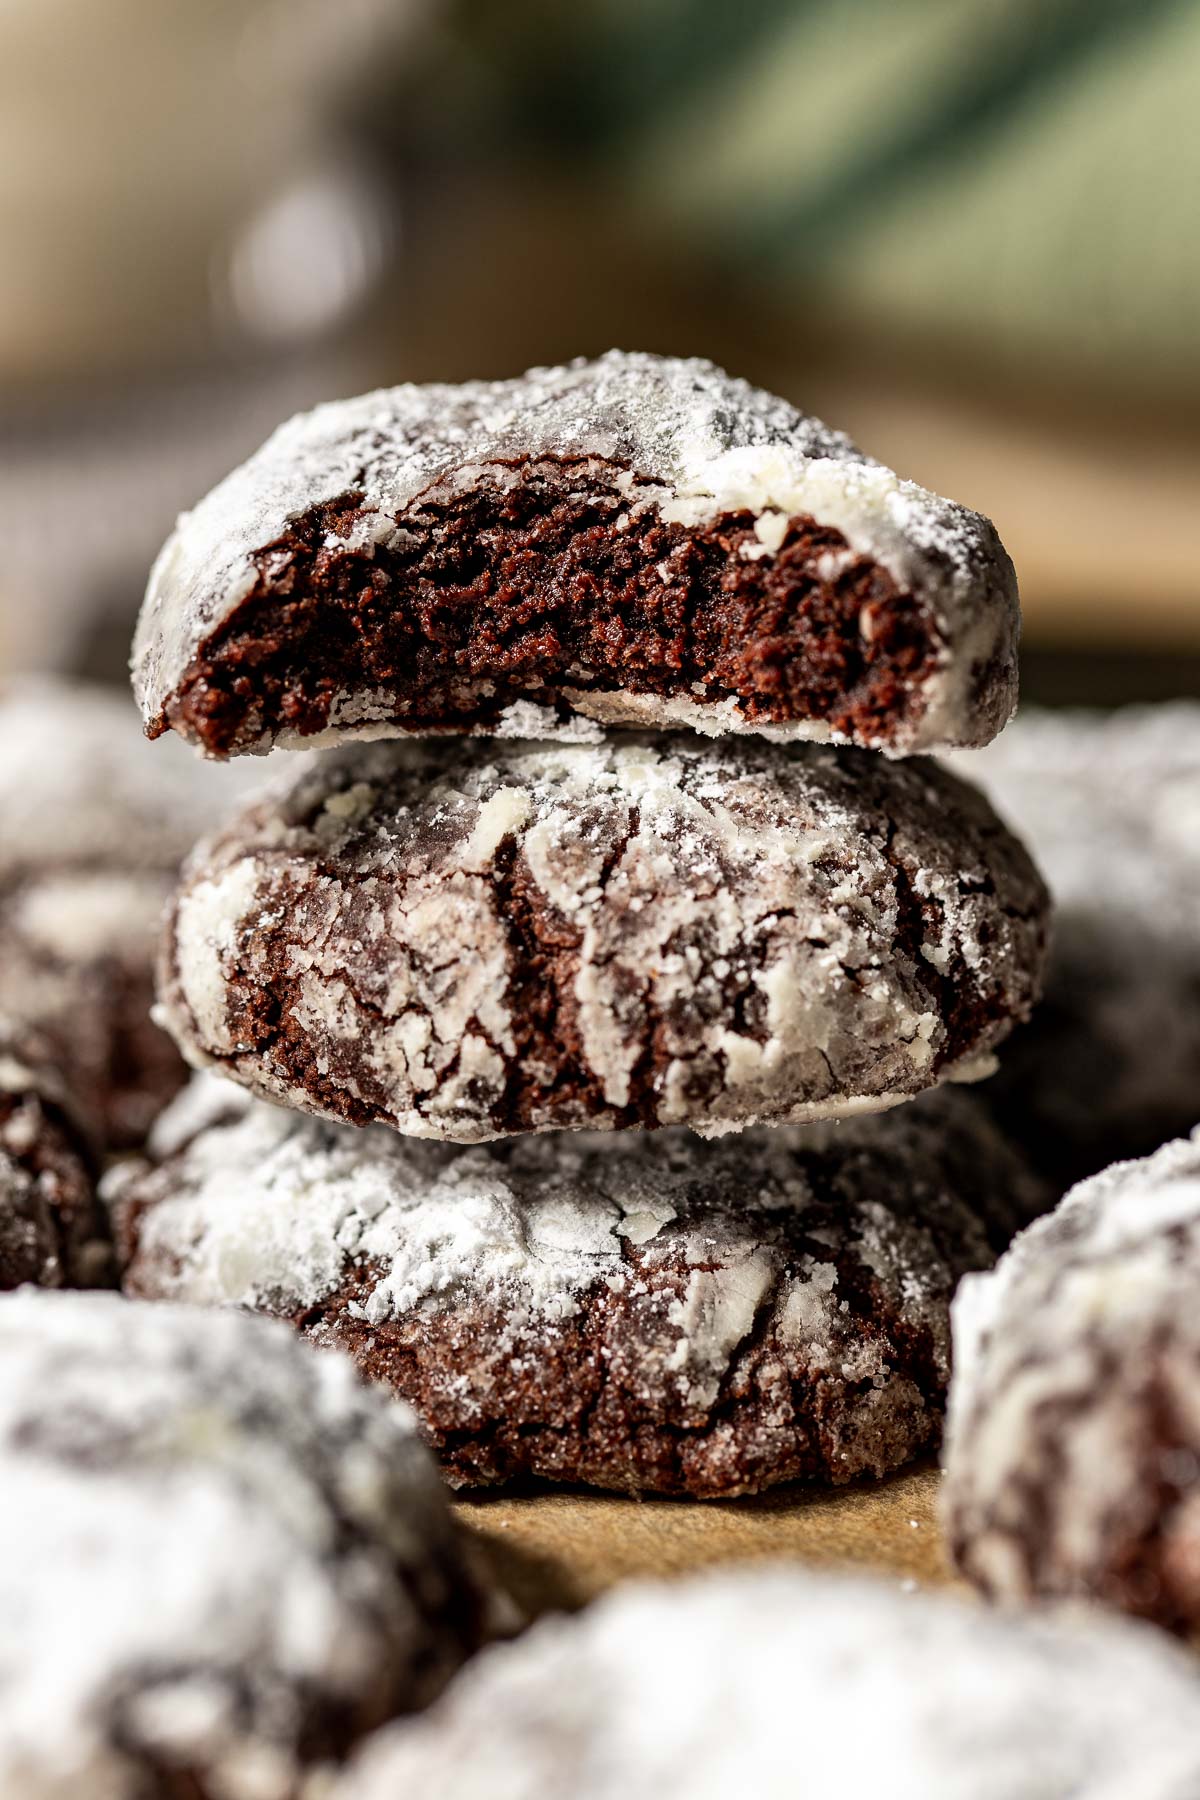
[228, 1555]
[466, 940]
[810, 1270]
[778, 1682]
[1109, 804]
[1073, 1463]
[699, 443]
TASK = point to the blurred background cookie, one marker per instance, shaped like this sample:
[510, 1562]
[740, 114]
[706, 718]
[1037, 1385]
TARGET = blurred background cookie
[1109, 805]
[52, 1232]
[719, 1686]
[1073, 1458]
[234, 1558]
[93, 826]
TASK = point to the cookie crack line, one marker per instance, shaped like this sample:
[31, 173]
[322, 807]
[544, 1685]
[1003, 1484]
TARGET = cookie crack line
[637, 540]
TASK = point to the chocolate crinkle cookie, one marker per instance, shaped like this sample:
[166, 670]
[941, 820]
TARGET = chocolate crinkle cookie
[52, 1231]
[781, 1682]
[227, 1557]
[636, 540]
[1073, 1458]
[640, 1313]
[469, 939]
[1109, 804]
[93, 826]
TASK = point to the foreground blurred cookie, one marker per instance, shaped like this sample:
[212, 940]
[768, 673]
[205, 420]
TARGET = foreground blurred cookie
[1109, 1067]
[638, 540]
[1073, 1461]
[778, 1683]
[51, 1229]
[645, 1313]
[227, 1557]
[465, 940]
[93, 826]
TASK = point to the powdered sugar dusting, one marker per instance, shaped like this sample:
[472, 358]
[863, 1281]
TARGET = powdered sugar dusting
[222, 1540]
[699, 443]
[685, 881]
[721, 1684]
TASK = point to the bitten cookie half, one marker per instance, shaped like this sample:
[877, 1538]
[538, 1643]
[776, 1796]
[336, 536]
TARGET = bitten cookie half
[649, 1313]
[780, 1682]
[228, 1558]
[52, 1231]
[636, 540]
[1073, 1456]
[466, 940]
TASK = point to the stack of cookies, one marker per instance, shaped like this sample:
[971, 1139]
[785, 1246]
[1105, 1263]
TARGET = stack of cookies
[618, 843]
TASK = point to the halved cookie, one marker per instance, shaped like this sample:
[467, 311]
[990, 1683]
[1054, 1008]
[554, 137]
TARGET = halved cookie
[636, 540]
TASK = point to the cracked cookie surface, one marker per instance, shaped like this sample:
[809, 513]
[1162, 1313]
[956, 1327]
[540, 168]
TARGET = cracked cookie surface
[1073, 1456]
[468, 940]
[230, 1558]
[645, 1313]
[635, 540]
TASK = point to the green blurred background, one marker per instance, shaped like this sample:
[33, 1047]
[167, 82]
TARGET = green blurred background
[964, 230]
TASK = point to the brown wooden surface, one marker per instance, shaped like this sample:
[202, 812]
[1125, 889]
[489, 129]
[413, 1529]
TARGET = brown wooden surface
[553, 1549]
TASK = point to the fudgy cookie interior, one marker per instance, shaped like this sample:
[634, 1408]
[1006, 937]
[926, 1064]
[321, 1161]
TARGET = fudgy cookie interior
[547, 580]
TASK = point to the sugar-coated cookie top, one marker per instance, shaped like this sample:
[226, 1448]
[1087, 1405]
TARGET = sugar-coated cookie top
[781, 1682]
[700, 443]
[213, 1533]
